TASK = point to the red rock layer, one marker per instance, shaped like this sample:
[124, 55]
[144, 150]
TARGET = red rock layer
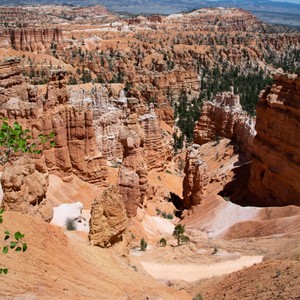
[224, 117]
[31, 39]
[195, 179]
[133, 174]
[12, 83]
[76, 150]
[275, 170]
[157, 151]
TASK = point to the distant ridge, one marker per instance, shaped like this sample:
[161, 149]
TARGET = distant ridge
[268, 11]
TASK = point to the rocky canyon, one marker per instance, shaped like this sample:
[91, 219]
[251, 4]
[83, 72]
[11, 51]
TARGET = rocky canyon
[189, 119]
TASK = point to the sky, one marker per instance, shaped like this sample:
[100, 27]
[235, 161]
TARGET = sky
[290, 1]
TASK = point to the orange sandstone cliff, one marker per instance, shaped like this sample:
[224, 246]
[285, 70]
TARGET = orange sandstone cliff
[275, 170]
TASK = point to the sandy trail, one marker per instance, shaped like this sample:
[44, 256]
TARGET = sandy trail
[189, 272]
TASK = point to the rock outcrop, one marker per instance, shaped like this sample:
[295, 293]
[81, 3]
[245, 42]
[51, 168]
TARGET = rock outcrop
[275, 170]
[31, 39]
[108, 221]
[133, 174]
[76, 150]
[157, 150]
[196, 177]
[224, 117]
[208, 169]
[12, 83]
[24, 187]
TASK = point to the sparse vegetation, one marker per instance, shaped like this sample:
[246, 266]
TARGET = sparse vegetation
[162, 242]
[13, 140]
[178, 233]
[11, 241]
[70, 224]
[170, 216]
[143, 245]
[198, 297]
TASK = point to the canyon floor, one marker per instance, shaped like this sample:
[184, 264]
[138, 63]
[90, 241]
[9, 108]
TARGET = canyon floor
[238, 263]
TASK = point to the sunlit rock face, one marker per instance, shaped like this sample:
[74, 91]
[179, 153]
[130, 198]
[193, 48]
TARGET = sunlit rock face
[276, 158]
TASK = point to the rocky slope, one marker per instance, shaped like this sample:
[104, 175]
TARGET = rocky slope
[275, 167]
[160, 57]
[24, 184]
[64, 266]
[224, 117]
[93, 125]
[223, 139]
[75, 150]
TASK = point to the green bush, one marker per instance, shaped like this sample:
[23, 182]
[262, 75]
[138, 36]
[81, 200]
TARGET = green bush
[163, 242]
[170, 216]
[178, 233]
[143, 245]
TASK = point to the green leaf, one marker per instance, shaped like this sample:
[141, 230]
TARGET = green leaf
[18, 249]
[13, 245]
[24, 247]
[17, 126]
[19, 235]
[52, 135]
[16, 133]
[37, 151]
[5, 271]
[52, 144]
[6, 232]
[5, 249]
[1, 211]
[5, 125]
[1, 270]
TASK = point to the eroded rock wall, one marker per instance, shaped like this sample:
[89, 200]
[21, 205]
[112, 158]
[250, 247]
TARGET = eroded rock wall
[24, 184]
[224, 117]
[133, 174]
[31, 39]
[275, 170]
[157, 149]
[76, 150]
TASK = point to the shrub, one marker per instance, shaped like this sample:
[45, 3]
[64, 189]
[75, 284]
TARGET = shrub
[164, 214]
[185, 239]
[70, 224]
[143, 245]
[178, 232]
[170, 216]
[198, 297]
[162, 242]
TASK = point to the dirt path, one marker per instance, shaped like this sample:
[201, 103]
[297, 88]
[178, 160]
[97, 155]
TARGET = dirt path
[189, 272]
